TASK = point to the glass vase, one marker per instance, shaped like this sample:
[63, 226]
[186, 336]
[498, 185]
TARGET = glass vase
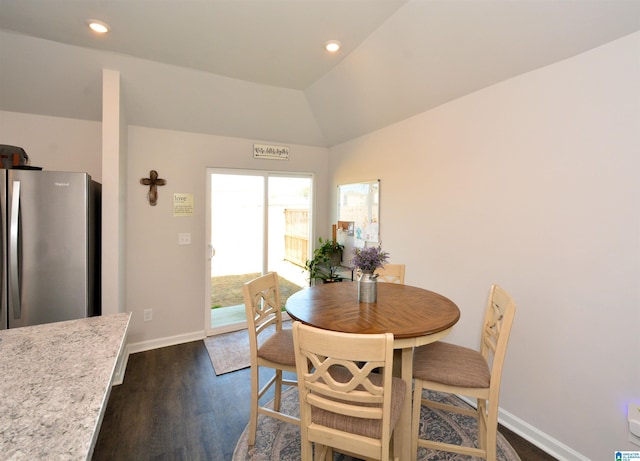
[367, 287]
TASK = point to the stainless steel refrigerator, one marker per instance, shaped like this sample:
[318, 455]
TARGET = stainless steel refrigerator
[50, 247]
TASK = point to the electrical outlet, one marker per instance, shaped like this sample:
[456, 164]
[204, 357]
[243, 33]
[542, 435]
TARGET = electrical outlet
[148, 315]
[184, 239]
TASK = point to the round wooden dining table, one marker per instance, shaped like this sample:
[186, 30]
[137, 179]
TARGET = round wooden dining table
[414, 315]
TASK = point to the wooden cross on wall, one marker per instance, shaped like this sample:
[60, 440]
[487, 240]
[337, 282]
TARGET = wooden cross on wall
[153, 182]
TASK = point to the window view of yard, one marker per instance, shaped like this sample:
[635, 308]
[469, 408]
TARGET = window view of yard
[226, 290]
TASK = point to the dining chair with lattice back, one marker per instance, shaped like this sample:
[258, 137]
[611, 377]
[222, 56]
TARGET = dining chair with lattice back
[453, 369]
[391, 273]
[270, 346]
[349, 400]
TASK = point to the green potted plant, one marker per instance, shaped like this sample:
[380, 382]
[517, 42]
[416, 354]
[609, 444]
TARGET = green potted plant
[325, 262]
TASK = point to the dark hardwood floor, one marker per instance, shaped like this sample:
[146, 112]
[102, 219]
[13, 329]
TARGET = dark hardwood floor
[172, 406]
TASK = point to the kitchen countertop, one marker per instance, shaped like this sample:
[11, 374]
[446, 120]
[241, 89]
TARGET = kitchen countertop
[55, 381]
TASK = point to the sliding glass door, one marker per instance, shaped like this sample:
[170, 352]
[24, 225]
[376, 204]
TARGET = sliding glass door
[259, 222]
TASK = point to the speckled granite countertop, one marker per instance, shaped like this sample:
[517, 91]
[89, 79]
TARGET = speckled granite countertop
[55, 381]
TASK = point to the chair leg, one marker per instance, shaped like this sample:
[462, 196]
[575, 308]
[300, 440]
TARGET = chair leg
[253, 414]
[306, 447]
[306, 451]
[278, 391]
[391, 450]
[481, 416]
[322, 453]
[492, 432]
[415, 418]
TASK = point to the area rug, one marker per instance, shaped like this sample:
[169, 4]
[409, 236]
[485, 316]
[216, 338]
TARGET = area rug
[277, 440]
[230, 351]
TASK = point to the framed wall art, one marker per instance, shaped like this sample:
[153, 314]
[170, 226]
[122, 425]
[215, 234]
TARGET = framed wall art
[359, 203]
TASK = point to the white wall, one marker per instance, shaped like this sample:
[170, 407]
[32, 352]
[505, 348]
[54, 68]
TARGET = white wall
[55, 143]
[532, 183]
[162, 275]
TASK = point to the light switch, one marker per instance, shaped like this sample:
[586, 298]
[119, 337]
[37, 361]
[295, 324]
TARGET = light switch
[184, 239]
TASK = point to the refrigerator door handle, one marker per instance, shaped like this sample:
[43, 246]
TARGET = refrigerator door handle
[13, 249]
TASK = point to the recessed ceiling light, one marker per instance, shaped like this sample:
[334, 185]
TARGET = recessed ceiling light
[98, 26]
[332, 46]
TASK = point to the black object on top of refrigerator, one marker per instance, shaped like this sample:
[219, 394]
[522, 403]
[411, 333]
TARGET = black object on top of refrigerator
[50, 247]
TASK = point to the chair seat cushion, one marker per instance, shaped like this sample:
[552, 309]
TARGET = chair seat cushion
[279, 348]
[451, 365]
[361, 426]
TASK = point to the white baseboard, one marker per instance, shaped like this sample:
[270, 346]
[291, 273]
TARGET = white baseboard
[535, 436]
[149, 345]
[164, 342]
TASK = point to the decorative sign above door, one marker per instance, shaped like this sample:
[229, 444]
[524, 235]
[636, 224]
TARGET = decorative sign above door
[270, 152]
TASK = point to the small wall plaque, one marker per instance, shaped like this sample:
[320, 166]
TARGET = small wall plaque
[182, 204]
[270, 152]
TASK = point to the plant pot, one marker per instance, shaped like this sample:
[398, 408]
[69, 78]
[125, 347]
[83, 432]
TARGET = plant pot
[367, 288]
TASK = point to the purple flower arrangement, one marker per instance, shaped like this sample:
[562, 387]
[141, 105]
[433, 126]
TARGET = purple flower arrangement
[370, 258]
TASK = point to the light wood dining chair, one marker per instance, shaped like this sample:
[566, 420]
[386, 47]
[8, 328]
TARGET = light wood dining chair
[391, 273]
[453, 369]
[272, 348]
[349, 400]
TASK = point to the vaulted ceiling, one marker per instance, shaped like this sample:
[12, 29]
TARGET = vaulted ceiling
[398, 58]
